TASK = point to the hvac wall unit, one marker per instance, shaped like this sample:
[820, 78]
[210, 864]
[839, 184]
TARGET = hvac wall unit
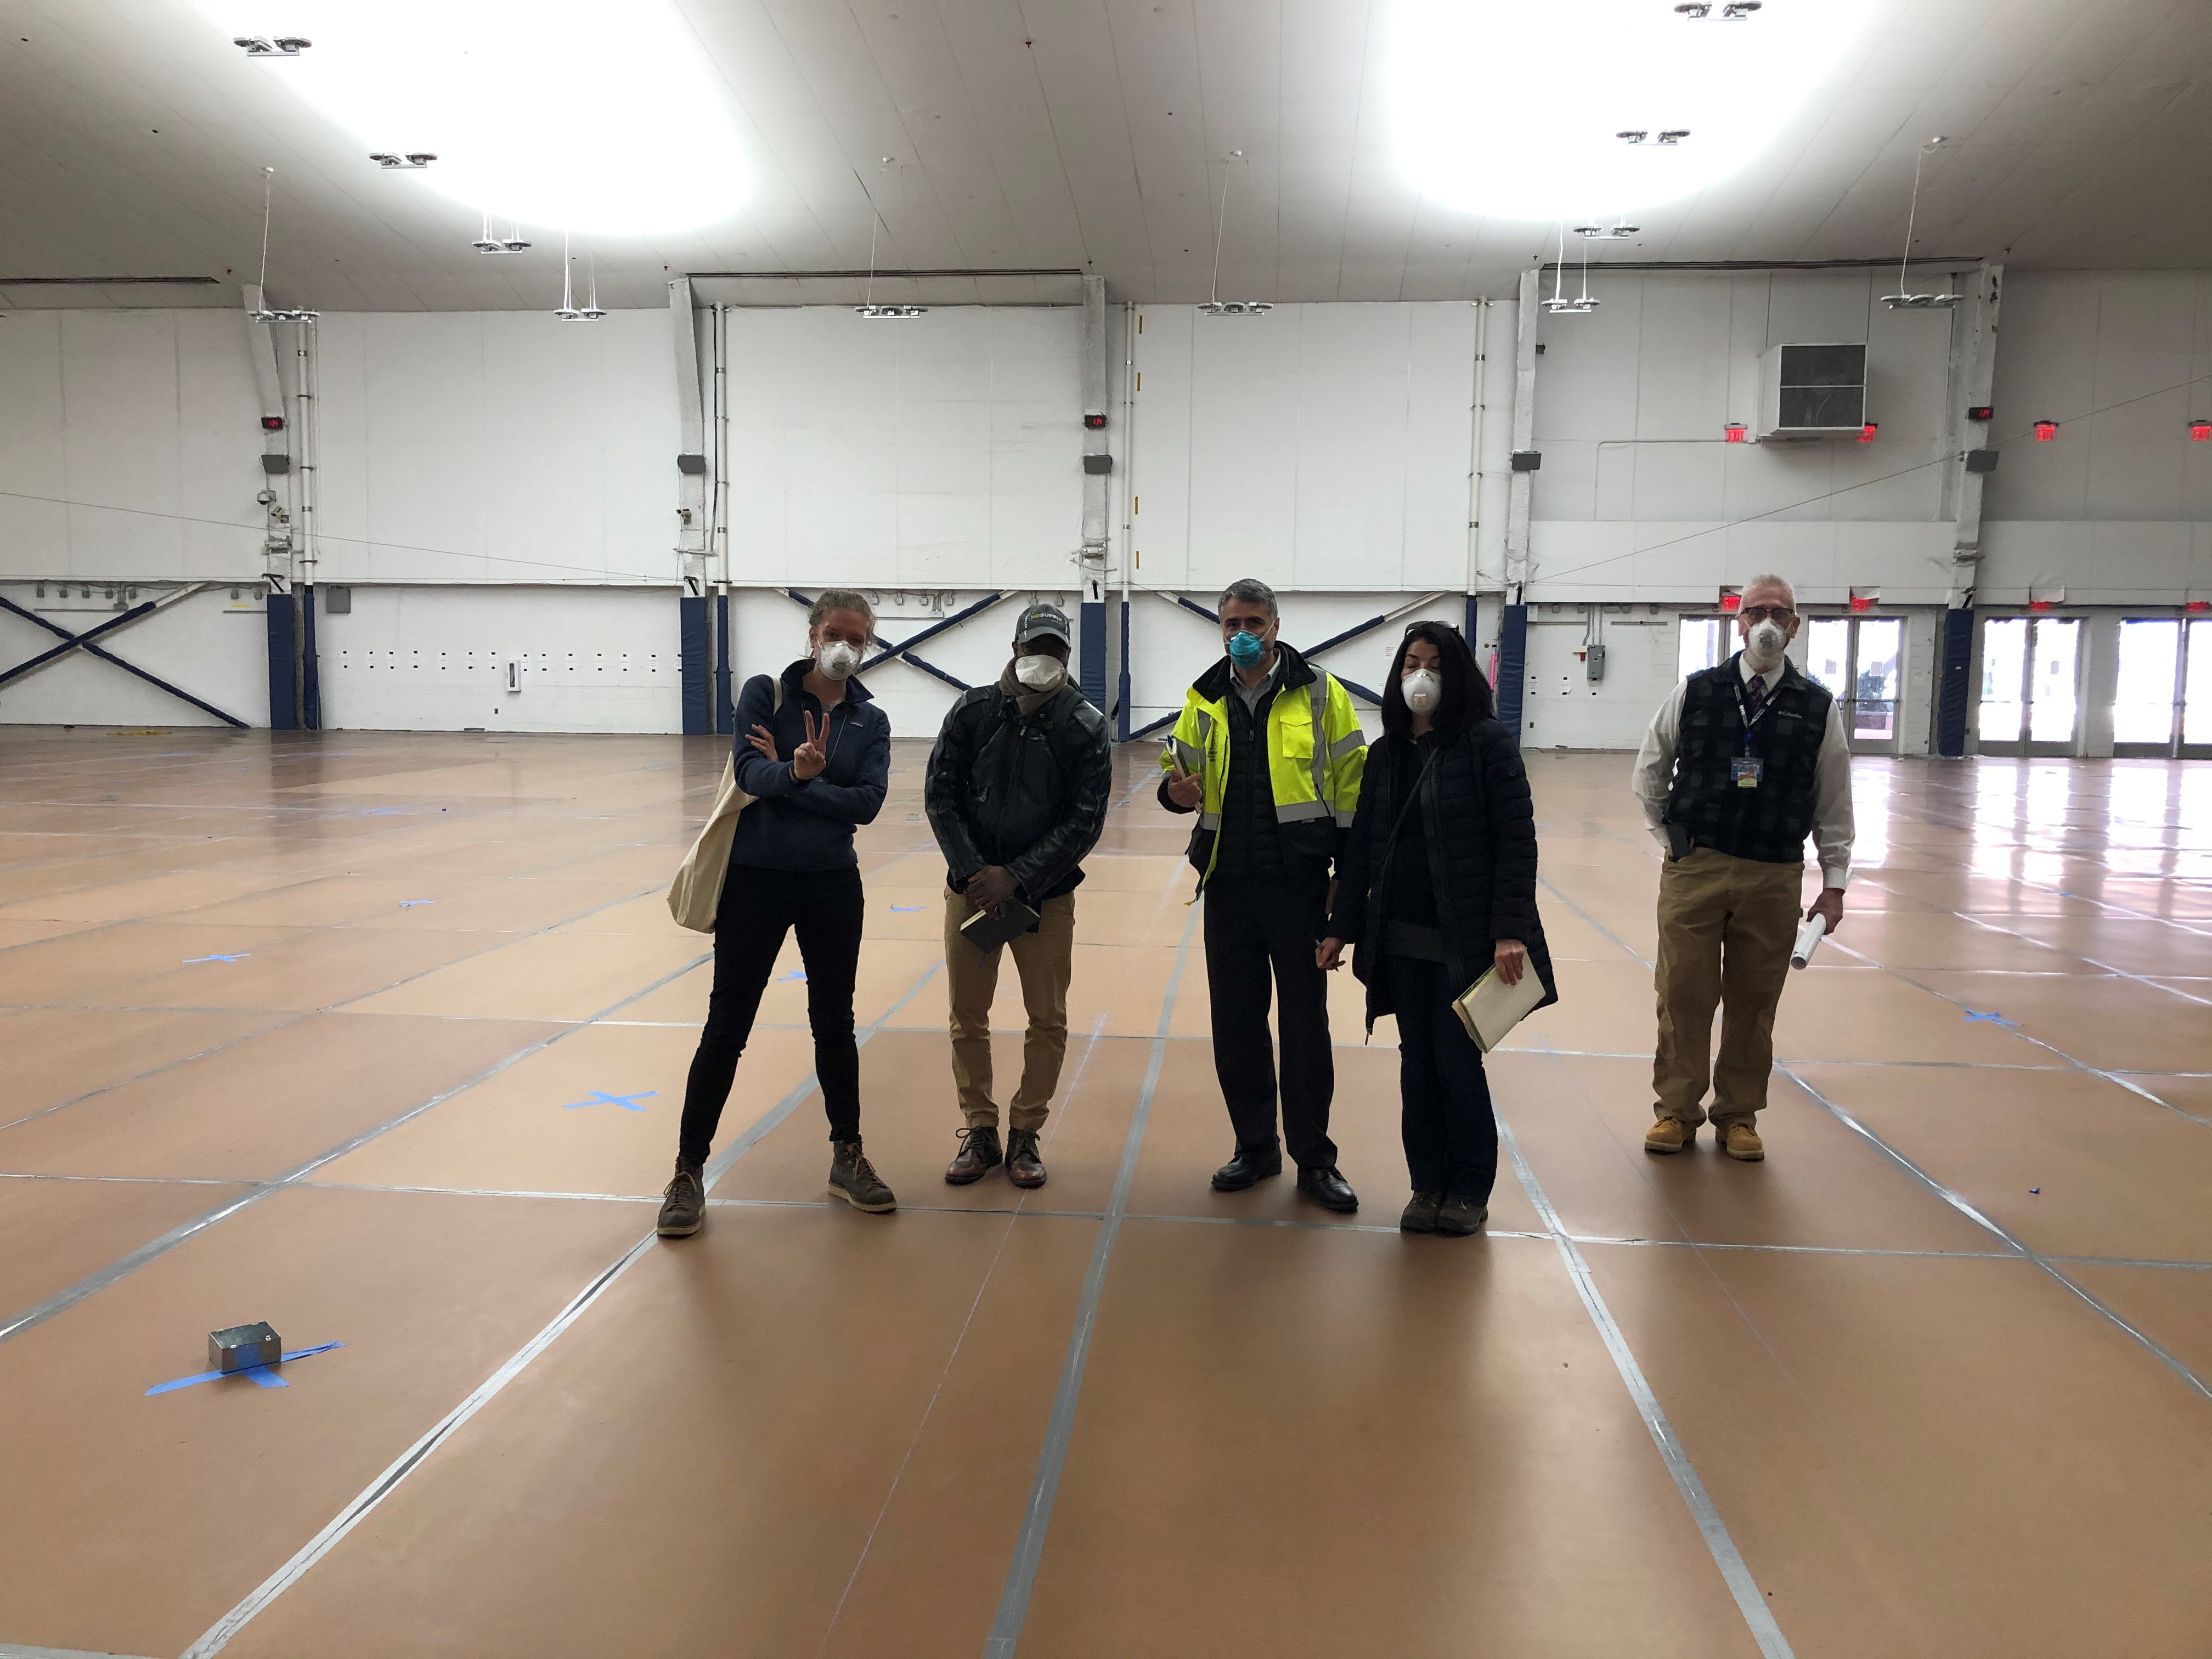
[1812, 391]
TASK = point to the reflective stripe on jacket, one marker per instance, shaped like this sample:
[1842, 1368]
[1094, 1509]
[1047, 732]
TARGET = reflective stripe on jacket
[1315, 750]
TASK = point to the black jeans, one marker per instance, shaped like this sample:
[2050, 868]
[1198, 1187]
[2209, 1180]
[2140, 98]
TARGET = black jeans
[1450, 1131]
[1261, 938]
[759, 906]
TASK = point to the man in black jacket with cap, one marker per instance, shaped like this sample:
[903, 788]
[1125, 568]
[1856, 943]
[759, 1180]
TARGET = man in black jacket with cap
[1017, 794]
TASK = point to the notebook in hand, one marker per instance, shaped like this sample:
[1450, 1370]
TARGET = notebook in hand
[1490, 1007]
[987, 933]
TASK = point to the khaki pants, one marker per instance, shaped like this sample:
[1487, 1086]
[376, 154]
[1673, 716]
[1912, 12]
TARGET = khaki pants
[1046, 961]
[1726, 925]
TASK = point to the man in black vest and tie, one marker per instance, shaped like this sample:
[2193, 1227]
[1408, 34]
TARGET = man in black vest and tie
[1741, 763]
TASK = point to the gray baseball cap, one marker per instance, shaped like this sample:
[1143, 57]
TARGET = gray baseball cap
[1043, 622]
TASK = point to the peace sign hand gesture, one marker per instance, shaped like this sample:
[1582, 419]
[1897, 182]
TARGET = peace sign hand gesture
[811, 756]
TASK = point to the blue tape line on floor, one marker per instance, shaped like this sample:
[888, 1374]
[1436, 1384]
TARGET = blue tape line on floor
[240, 957]
[409, 904]
[1991, 1018]
[263, 1376]
[907, 909]
[601, 1098]
[796, 973]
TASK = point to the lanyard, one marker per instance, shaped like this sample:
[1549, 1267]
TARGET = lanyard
[1743, 709]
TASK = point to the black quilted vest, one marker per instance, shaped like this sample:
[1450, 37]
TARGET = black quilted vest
[1768, 824]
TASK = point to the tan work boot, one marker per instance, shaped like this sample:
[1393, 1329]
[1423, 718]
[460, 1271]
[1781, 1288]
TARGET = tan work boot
[1669, 1134]
[1741, 1140]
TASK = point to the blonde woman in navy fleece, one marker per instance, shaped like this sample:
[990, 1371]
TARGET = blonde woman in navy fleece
[816, 760]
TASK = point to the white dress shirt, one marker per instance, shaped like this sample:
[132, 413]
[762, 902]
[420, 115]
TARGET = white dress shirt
[1832, 824]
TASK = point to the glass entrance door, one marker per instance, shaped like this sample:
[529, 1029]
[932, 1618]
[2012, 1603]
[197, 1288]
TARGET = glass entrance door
[2196, 692]
[1860, 659]
[2031, 701]
[2146, 703]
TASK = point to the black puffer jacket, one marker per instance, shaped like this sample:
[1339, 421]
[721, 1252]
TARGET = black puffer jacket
[1481, 828]
[1027, 794]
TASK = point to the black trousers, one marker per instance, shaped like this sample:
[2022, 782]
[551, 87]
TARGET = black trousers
[1445, 1116]
[1260, 938]
[759, 906]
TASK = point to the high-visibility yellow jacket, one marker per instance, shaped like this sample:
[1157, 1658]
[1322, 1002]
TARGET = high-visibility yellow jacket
[1316, 752]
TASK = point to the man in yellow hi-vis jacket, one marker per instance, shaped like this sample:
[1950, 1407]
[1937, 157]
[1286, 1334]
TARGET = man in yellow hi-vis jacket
[1268, 754]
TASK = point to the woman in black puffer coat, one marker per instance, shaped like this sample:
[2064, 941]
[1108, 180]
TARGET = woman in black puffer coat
[1437, 883]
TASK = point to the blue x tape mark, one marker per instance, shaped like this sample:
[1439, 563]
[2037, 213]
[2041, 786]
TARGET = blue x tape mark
[240, 957]
[409, 904]
[796, 973]
[1989, 1019]
[263, 1376]
[600, 1097]
[909, 909]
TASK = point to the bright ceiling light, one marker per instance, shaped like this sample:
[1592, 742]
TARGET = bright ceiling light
[606, 119]
[1513, 108]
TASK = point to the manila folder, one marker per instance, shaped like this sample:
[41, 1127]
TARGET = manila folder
[1490, 1007]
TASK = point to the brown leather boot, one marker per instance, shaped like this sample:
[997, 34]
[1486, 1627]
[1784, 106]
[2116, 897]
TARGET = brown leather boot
[1670, 1134]
[854, 1179]
[1023, 1167]
[979, 1155]
[683, 1206]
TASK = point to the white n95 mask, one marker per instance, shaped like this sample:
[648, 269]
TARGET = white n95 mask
[1039, 673]
[837, 660]
[1422, 689]
[1766, 641]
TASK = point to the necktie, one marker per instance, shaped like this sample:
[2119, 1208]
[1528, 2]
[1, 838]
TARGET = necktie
[1755, 697]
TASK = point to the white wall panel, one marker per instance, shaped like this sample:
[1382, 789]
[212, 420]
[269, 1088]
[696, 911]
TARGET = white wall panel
[2120, 360]
[945, 449]
[1632, 399]
[434, 658]
[1318, 447]
[497, 447]
[198, 644]
[1563, 709]
[130, 446]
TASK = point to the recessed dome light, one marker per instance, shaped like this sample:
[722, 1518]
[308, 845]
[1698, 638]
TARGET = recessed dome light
[1621, 105]
[557, 113]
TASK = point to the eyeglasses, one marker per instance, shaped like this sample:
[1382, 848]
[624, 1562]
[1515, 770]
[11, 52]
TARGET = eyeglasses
[1758, 613]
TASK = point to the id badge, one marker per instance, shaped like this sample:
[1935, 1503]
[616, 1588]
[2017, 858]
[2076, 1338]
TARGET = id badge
[1744, 771]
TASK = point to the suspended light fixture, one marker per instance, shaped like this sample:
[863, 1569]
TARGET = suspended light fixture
[269, 313]
[1619, 231]
[267, 45]
[413, 161]
[1559, 304]
[1215, 305]
[570, 312]
[1905, 299]
[868, 307]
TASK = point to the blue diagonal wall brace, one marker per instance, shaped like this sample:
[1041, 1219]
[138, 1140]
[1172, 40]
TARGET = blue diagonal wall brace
[83, 642]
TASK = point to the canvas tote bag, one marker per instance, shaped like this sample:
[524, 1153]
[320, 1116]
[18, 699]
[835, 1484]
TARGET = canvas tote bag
[695, 895]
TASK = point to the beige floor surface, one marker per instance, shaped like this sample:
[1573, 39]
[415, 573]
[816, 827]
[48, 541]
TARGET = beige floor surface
[1939, 1366]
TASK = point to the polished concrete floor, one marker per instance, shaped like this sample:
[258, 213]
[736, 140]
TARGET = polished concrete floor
[382, 1038]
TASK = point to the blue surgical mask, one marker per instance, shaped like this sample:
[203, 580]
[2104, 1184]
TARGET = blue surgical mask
[1245, 649]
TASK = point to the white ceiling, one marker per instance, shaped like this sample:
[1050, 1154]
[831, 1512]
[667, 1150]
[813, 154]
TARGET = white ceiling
[1089, 134]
